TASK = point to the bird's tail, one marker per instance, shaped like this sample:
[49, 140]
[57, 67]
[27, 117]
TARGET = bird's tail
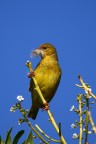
[33, 112]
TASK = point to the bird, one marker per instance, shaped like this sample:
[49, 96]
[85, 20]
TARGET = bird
[47, 74]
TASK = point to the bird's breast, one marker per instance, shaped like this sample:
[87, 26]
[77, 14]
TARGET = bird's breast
[48, 75]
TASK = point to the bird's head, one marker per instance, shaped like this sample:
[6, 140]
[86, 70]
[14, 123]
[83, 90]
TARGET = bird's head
[46, 50]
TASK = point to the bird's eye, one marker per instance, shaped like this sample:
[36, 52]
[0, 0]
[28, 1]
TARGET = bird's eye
[44, 47]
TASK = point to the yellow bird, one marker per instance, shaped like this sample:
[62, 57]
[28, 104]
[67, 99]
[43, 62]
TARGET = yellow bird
[47, 74]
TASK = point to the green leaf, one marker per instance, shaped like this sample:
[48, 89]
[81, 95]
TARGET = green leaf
[17, 137]
[8, 137]
[0, 139]
[29, 139]
[2, 142]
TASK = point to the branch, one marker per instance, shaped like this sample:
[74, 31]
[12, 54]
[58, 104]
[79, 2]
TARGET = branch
[81, 120]
[29, 65]
[87, 119]
[46, 134]
[29, 124]
[79, 86]
[85, 87]
[91, 121]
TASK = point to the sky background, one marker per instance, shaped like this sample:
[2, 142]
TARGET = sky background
[24, 25]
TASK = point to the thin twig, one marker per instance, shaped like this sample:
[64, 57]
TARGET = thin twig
[46, 134]
[87, 118]
[86, 88]
[29, 65]
[81, 120]
[79, 86]
[92, 123]
[59, 128]
[30, 125]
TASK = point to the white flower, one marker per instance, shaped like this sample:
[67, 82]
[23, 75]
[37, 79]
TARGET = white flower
[89, 132]
[84, 130]
[27, 111]
[75, 136]
[28, 61]
[73, 125]
[20, 98]
[72, 108]
[19, 123]
[90, 96]
[88, 90]
[12, 109]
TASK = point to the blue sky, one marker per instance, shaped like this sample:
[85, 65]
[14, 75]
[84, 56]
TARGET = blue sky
[24, 25]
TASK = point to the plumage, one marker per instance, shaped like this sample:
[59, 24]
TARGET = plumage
[47, 75]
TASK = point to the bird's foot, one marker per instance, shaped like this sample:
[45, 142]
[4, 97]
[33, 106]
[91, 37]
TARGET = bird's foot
[46, 106]
[31, 74]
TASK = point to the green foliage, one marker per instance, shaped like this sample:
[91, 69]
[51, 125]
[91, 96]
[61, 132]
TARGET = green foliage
[1, 142]
[29, 140]
[8, 139]
[17, 137]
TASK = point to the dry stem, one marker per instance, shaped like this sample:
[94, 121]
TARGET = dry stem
[85, 87]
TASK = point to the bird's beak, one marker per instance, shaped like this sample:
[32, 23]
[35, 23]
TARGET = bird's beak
[38, 52]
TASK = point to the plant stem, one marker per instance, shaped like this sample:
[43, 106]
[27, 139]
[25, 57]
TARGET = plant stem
[29, 124]
[92, 123]
[43, 140]
[80, 110]
[85, 87]
[56, 127]
[29, 65]
[87, 120]
[57, 141]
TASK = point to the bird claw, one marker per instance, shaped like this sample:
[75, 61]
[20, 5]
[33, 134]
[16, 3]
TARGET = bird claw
[31, 74]
[46, 106]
